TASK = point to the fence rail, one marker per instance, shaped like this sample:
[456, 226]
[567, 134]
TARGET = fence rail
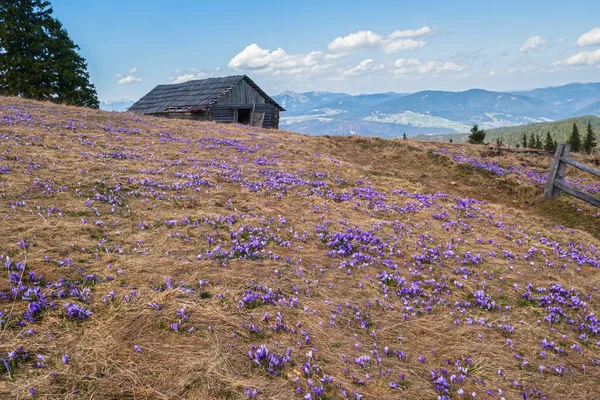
[556, 183]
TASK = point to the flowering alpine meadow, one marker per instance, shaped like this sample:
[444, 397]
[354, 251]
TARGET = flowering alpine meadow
[154, 258]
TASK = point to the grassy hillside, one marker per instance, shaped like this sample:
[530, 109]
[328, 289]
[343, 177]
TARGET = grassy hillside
[511, 135]
[163, 259]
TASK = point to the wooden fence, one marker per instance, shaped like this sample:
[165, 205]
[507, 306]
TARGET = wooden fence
[558, 170]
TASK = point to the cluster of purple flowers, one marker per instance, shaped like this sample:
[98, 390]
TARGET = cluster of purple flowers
[269, 360]
[76, 311]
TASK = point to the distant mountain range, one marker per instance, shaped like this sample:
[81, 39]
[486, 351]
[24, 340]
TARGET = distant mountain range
[432, 112]
[427, 112]
[116, 105]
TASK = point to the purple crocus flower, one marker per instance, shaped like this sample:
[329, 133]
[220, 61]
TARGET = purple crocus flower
[77, 312]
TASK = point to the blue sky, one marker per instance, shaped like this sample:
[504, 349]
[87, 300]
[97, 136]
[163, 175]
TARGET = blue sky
[346, 46]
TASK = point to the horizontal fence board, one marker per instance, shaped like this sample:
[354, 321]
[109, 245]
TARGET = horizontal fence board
[580, 166]
[577, 193]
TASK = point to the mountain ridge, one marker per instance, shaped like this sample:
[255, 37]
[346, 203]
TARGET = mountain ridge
[432, 112]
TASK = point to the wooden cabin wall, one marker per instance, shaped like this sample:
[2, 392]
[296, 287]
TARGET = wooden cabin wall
[242, 93]
[222, 114]
[271, 112]
[196, 116]
[228, 113]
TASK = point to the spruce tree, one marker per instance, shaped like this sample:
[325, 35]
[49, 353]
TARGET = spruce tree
[531, 143]
[574, 139]
[477, 135]
[524, 140]
[38, 60]
[590, 139]
[538, 142]
[549, 143]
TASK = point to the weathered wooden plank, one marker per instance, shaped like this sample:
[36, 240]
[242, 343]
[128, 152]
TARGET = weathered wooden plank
[242, 93]
[580, 166]
[549, 189]
[577, 193]
[561, 173]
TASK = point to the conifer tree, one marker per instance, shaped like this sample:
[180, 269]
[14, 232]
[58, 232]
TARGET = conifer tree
[404, 136]
[524, 140]
[477, 136]
[589, 143]
[575, 139]
[549, 143]
[538, 142]
[38, 59]
[531, 143]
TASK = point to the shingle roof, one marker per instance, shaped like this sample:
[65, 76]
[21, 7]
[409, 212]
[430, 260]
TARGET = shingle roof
[198, 94]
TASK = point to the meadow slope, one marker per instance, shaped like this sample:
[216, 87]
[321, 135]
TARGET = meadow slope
[158, 259]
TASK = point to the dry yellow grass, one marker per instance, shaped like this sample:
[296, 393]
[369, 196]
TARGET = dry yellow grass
[101, 189]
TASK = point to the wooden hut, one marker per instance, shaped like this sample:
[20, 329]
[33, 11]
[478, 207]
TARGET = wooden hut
[231, 99]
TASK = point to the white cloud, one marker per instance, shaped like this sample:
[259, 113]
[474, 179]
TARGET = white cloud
[355, 41]
[536, 43]
[278, 62]
[190, 76]
[410, 33]
[581, 58]
[364, 67]
[396, 41]
[404, 44]
[406, 62]
[129, 79]
[414, 66]
[590, 38]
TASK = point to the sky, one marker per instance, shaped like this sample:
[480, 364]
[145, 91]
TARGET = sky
[338, 46]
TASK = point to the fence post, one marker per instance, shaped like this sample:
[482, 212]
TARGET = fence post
[562, 169]
[558, 170]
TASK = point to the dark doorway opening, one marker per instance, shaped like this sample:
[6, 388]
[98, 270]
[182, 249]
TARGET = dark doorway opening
[244, 116]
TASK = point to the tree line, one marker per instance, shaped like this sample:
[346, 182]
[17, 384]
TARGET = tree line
[38, 59]
[585, 145]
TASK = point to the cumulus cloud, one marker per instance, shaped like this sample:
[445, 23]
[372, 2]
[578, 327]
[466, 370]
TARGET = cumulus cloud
[396, 41]
[363, 68]
[590, 38]
[401, 45]
[534, 43]
[129, 79]
[355, 41]
[190, 76]
[410, 33]
[581, 59]
[278, 62]
[414, 66]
